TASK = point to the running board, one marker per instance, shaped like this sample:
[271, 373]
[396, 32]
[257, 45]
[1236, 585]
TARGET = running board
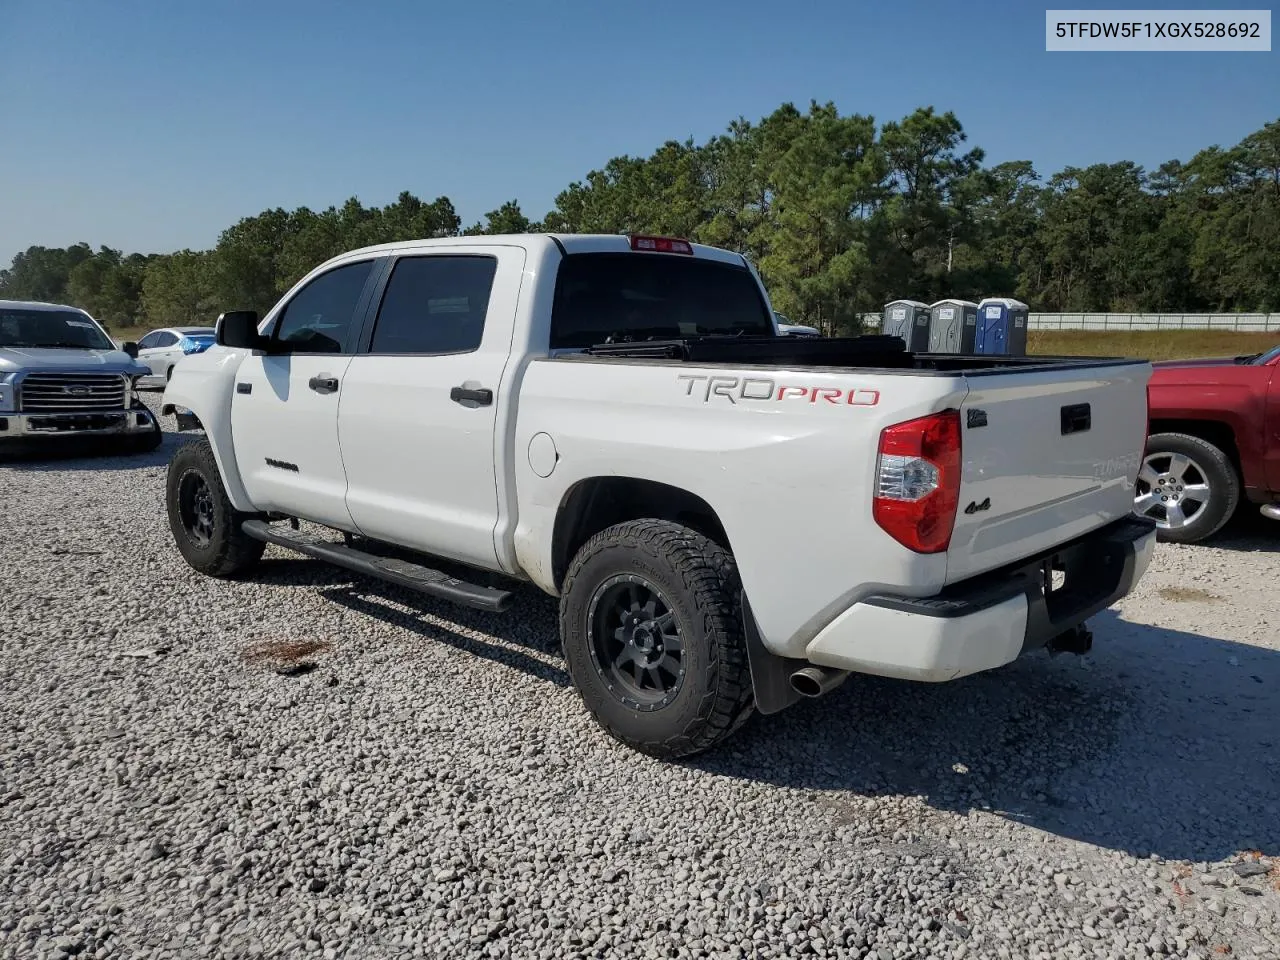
[434, 583]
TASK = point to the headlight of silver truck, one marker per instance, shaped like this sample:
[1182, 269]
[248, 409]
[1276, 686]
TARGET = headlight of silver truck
[6, 393]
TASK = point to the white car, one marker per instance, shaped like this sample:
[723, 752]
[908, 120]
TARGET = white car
[788, 329]
[611, 419]
[160, 350]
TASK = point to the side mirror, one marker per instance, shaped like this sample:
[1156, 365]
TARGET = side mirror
[239, 328]
[130, 348]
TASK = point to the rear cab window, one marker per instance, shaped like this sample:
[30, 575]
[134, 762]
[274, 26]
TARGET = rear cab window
[620, 297]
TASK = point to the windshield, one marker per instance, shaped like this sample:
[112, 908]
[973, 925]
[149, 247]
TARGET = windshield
[620, 297]
[1259, 359]
[69, 329]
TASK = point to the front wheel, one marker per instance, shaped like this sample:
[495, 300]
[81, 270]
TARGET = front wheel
[205, 526]
[1188, 486]
[652, 633]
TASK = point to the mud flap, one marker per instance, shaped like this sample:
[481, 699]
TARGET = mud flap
[770, 673]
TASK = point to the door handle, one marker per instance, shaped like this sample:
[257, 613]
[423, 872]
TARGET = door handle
[465, 396]
[323, 384]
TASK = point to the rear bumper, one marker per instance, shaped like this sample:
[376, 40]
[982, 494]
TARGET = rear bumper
[990, 620]
[39, 426]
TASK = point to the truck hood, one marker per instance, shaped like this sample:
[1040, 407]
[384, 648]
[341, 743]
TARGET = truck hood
[1201, 362]
[41, 359]
[1215, 371]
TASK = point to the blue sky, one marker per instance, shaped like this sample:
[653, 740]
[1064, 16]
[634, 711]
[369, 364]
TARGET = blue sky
[153, 125]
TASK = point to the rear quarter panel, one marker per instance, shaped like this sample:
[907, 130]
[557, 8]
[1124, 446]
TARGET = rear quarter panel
[788, 471]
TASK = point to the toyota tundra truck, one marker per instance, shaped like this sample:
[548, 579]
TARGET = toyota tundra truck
[613, 419]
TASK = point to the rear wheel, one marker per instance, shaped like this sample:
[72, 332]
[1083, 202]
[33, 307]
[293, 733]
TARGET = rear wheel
[1188, 486]
[652, 633]
[205, 526]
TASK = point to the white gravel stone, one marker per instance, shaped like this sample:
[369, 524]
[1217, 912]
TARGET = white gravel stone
[432, 786]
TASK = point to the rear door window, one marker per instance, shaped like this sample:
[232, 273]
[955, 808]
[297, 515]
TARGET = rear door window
[434, 305]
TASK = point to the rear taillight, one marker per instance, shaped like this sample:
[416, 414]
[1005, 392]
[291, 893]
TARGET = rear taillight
[661, 245]
[918, 481]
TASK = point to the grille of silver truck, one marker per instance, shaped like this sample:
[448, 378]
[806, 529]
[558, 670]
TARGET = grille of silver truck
[67, 392]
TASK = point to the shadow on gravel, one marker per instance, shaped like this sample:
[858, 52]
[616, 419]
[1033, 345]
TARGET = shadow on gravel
[532, 610]
[299, 571]
[1248, 532]
[530, 607]
[1160, 742]
[64, 456]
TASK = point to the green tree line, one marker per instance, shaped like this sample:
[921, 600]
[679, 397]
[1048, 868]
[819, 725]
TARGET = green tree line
[840, 215]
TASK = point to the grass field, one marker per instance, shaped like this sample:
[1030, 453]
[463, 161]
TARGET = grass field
[1149, 344]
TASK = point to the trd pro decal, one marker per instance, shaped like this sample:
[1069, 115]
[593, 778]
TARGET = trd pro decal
[767, 390]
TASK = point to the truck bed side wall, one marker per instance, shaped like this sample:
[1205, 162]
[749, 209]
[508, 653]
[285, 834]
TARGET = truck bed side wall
[785, 459]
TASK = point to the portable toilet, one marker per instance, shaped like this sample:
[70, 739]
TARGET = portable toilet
[908, 319]
[1002, 327]
[953, 325]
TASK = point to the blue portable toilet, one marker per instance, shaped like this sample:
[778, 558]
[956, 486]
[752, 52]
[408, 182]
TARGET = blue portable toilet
[1002, 327]
[908, 319]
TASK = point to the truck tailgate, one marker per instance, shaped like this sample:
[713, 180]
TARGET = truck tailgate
[1048, 455]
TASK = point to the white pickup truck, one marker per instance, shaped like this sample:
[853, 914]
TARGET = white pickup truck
[732, 519]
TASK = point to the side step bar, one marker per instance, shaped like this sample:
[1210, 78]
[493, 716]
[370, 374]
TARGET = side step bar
[434, 583]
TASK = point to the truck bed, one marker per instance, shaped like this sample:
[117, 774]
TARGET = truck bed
[787, 452]
[876, 353]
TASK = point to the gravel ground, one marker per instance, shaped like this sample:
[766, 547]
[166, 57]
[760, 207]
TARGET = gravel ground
[306, 763]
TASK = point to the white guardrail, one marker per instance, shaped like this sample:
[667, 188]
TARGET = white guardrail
[1242, 322]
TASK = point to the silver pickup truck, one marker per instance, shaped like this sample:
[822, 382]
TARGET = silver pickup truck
[62, 377]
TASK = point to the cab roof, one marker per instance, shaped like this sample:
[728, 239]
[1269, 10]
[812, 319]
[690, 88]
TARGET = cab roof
[570, 243]
[38, 305]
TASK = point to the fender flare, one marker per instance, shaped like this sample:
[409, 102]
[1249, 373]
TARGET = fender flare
[219, 437]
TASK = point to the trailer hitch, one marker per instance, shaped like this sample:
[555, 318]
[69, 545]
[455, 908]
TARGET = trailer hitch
[1078, 640]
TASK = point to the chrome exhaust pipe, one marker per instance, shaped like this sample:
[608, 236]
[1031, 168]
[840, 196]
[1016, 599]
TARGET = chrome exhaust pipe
[815, 681]
[1271, 511]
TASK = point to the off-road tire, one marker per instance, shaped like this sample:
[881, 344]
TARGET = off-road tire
[1224, 485]
[700, 580]
[229, 551]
